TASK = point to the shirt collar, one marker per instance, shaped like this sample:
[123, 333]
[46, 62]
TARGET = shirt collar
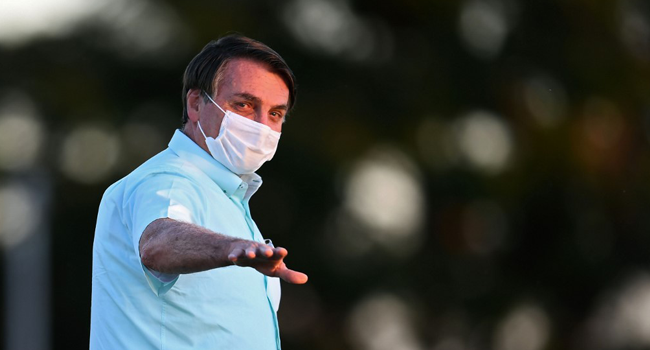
[254, 182]
[228, 181]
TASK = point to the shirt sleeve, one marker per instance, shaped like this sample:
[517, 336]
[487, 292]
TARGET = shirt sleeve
[162, 195]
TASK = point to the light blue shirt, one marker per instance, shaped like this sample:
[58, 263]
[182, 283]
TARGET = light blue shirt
[224, 308]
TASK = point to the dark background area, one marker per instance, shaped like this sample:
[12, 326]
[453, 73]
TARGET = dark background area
[456, 175]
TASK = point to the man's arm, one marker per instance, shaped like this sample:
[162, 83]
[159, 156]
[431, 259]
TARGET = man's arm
[176, 247]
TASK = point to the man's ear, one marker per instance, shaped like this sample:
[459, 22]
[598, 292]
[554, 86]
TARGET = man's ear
[194, 100]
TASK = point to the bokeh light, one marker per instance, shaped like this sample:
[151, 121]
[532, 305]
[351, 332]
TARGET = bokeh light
[89, 153]
[635, 27]
[622, 319]
[484, 141]
[330, 26]
[19, 213]
[526, 327]
[21, 21]
[384, 195]
[383, 322]
[21, 133]
[143, 29]
[130, 28]
[484, 27]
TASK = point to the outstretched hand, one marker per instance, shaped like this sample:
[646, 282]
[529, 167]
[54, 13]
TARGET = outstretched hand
[265, 259]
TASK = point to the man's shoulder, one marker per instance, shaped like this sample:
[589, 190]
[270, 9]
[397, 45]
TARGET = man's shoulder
[164, 164]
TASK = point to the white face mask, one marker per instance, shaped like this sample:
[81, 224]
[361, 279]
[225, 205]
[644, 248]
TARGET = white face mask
[242, 145]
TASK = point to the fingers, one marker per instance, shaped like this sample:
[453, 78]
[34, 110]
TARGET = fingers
[235, 255]
[251, 253]
[279, 253]
[265, 251]
[292, 276]
[256, 251]
[267, 260]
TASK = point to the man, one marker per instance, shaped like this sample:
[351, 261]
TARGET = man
[178, 263]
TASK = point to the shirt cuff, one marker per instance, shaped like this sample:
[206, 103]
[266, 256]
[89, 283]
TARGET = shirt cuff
[159, 282]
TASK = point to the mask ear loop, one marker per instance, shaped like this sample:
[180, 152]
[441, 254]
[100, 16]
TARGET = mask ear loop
[200, 128]
[211, 100]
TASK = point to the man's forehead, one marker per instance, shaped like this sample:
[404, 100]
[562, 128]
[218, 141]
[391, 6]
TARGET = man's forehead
[248, 77]
[238, 70]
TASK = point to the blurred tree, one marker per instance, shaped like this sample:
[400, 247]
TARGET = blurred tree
[523, 125]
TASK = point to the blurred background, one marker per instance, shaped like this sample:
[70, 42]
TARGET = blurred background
[456, 175]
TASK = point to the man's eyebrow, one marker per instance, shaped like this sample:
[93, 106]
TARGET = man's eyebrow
[256, 99]
[248, 97]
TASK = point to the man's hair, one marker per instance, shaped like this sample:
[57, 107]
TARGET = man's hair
[206, 69]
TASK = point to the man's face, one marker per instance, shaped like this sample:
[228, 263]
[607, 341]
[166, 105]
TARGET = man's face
[250, 89]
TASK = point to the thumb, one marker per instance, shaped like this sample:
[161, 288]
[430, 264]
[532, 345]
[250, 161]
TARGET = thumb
[292, 276]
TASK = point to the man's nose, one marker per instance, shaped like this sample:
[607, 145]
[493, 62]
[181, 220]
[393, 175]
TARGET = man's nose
[261, 117]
